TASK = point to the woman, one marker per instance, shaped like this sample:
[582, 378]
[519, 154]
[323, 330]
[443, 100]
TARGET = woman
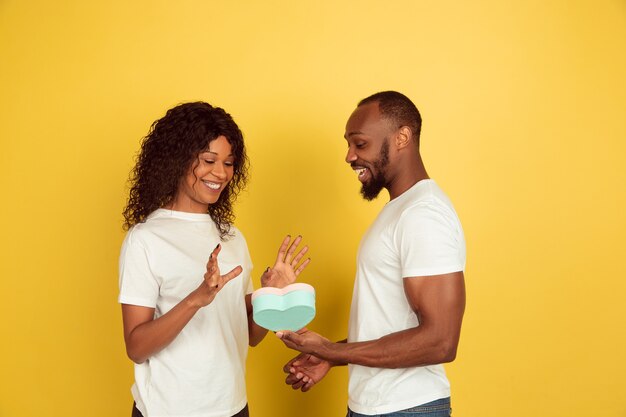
[186, 326]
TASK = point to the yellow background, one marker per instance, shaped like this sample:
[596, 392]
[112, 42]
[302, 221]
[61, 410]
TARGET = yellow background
[524, 108]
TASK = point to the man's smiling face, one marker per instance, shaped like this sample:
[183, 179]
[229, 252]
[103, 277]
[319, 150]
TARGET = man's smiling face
[367, 135]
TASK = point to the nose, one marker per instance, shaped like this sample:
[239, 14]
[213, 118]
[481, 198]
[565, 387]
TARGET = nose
[350, 156]
[219, 171]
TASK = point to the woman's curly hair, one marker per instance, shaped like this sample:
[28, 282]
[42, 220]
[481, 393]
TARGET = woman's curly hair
[168, 152]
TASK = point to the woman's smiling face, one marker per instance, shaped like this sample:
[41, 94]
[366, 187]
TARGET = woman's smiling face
[206, 178]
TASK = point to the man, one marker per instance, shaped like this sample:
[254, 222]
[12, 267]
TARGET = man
[409, 292]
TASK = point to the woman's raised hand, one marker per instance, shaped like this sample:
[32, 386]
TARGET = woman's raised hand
[286, 268]
[213, 281]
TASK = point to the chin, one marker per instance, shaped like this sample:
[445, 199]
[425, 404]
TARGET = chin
[370, 193]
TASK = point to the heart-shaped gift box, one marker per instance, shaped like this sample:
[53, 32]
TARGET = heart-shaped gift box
[288, 308]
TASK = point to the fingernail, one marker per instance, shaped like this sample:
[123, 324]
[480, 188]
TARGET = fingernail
[218, 245]
[267, 269]
[279, 335]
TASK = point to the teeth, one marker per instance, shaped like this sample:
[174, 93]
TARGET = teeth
[212, 185]
[360, 171]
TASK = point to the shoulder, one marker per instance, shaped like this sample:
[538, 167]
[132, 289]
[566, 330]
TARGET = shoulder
[236, 239]
[426, 198]
[235, 235]
[142, 233]
[141, 229]
[238, 247]
[427, 207]
[427, 210]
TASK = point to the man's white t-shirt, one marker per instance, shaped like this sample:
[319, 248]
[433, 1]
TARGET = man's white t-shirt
[416, 234]
[202, 372]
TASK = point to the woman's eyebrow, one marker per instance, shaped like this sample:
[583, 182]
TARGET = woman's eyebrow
[215, 153]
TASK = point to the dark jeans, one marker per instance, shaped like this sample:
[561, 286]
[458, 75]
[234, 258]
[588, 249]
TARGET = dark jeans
[437, 408]
[242, 413]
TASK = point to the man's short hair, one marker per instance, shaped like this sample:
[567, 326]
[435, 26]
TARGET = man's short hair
[399, 109]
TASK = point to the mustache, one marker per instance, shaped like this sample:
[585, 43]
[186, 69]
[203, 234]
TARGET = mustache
[359, 163]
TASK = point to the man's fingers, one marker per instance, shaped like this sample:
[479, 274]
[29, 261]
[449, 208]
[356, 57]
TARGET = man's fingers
[292, 379]
[298, 385]
[308, 385]
[297, 381]
[290, 367]
[300, 381]
[289, 338]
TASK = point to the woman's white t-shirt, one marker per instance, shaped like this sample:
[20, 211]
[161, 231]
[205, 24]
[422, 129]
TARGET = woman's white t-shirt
[202, 372]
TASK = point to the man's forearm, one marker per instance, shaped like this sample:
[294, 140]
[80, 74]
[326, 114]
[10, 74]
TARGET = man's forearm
[407, 348]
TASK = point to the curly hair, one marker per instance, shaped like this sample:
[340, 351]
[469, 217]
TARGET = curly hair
[167, 153]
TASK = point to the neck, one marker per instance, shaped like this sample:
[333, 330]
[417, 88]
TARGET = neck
[187, 207]
[407, 177]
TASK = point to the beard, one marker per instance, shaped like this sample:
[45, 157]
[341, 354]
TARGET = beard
[371, 189]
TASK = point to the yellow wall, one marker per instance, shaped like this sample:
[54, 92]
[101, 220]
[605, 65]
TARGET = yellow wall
[524, 107]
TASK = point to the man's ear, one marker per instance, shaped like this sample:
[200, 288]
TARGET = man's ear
[403, 137]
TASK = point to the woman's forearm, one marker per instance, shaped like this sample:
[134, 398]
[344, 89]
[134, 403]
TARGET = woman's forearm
[151, 336]
[256, 333]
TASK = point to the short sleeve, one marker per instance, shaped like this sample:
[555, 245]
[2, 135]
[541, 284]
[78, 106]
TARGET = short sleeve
[430, 241]
[138, 285]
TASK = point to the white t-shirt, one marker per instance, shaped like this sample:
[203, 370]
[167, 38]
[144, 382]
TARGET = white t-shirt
[202, 372]
[416, 234]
